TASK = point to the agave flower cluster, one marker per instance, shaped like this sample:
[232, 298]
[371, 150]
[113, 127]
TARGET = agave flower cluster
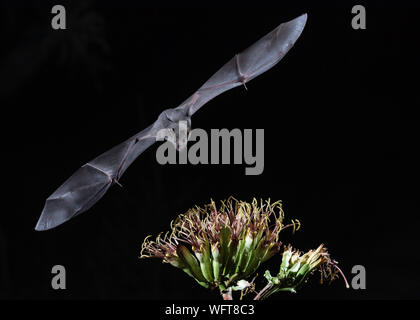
[220, 247]
[297, 266]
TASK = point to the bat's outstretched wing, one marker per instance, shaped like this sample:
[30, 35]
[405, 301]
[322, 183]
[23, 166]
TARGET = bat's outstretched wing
[245, 66]
[88, 184]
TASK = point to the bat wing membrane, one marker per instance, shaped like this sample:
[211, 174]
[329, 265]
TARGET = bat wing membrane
[86, 186]
[90, 182]
[255, 60]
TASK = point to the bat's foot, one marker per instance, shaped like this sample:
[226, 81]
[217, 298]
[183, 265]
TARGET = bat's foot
[244, 84]
[242, 77]
[117, 182]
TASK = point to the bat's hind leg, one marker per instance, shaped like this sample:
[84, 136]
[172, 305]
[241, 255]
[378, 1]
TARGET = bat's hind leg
[114, 180]
[242, 77]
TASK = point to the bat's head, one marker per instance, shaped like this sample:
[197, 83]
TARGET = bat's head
[180, 125]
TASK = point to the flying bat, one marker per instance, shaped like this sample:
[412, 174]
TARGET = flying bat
[88, 184]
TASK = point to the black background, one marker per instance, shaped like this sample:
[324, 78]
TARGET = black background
[330, 109]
